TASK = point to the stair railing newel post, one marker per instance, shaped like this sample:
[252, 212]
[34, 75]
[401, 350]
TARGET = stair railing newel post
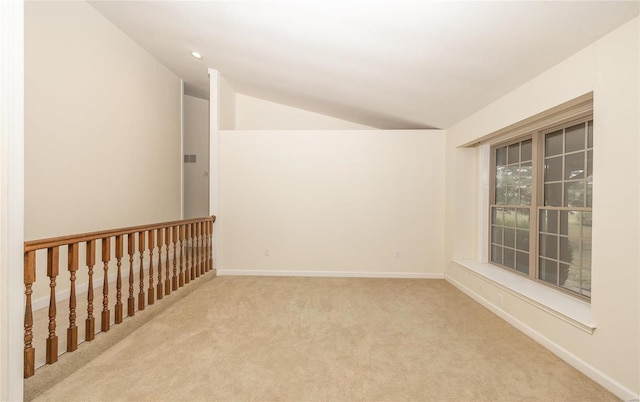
[29, 279]
[90, 322]
[141, 248]
[174, 279]
[159, 286]
[167, 264]
[131, 250]
[151, 245]
[72, 331]
[119, 254]
[106, 313]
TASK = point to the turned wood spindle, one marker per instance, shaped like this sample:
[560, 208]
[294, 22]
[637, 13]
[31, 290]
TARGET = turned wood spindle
[159, 286]
[174, 279]
[29, 279]
[199, 245]
[181, 239]
[119, 253]
[90, 322]
[193, 251]
[52, 272]
[209, 245]
[72, 331]
[106, 256]
[151, 246]
[141, 246]
[167, 276]
[187, 268]
[131, 250]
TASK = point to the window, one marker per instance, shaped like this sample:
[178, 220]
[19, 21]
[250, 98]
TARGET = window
[540, 206]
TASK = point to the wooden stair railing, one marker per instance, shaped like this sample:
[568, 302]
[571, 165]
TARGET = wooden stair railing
[190, 240]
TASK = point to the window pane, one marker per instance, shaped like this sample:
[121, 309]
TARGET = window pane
[586, 225]
[549, 246]
[553, 194]
[497, 216]
[522, 240]
[553, 143]
[496, 254]
[501, 156]
[512, 195]
[525, 151]
[574, 194]
[496, 234]
[553, 169]
[513, 154]
[574, 138]
[569, 277]
[586, 282]
[509, 258]
[586, 254]
[501, 176]
[575, 229]
[510, 217]
[522, 218]
[501, 195]
[525, 174]
[548, 271]
[564, 222]
[549, 221]
[574, 166]
[509, 237]
[570, 250]
[522, 262]
[590, 134]
[589, 163]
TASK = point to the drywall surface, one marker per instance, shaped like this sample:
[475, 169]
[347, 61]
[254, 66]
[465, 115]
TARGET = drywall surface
[196, 144]
[609, 68]
[331, 202]
[102, 126]
[259, 114]
[227, 105]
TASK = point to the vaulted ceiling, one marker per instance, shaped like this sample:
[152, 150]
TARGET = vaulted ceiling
[386, 64]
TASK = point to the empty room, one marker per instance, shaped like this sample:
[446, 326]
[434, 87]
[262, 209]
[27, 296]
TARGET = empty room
[301, 201]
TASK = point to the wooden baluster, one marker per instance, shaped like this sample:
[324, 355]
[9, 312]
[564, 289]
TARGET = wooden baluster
[106, 314]
[141, 246]
[131, 250]
[150, 291]
[119, 253]
[187, 268]
[167, 278]
[72, 331]
[90, 322]
[193, 251]
[52, 272]
[199, 245]
[206, 246]
[210, 245]
[29, 279]
[181, 278]
[174, 280]
[159, 286]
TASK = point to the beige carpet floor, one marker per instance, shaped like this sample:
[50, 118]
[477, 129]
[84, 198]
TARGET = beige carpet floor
[326, 339]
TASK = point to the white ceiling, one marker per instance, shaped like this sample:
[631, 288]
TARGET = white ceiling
[386, 64]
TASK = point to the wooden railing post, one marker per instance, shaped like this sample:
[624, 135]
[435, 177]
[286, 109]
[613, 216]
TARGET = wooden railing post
[199, 245]
[52, 272]
[29, 279]
[119, 253]
[159, 286]
[90, 322]
[131, 250]
[193, 250]
[167, 276]
[106, 314]
[151, 244]
[141, 247]
[181, 278]
[187, 268]
[72, 331]
[174, 280]
[210, 246]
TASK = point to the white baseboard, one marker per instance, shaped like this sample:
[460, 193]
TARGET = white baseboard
[334, 274]
[596, 375]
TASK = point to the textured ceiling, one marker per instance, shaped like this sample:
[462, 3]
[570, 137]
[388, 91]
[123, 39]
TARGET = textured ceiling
[386, 64]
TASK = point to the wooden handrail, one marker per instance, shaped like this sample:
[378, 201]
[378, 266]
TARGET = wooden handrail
[190, 240]
[41, 244]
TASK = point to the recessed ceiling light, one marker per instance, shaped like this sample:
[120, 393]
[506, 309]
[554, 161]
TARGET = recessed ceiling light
[196, 55]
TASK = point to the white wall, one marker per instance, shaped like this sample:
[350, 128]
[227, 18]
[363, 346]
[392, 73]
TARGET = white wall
[196, 142]
[259, 114]
[227, 105]
[11, 199]
[332, 201]
[102, 126]
[610, 68]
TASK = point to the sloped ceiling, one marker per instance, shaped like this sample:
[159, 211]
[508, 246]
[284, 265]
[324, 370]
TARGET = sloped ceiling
[386, 64]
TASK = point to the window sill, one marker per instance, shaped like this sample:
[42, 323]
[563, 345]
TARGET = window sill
[565, 307]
